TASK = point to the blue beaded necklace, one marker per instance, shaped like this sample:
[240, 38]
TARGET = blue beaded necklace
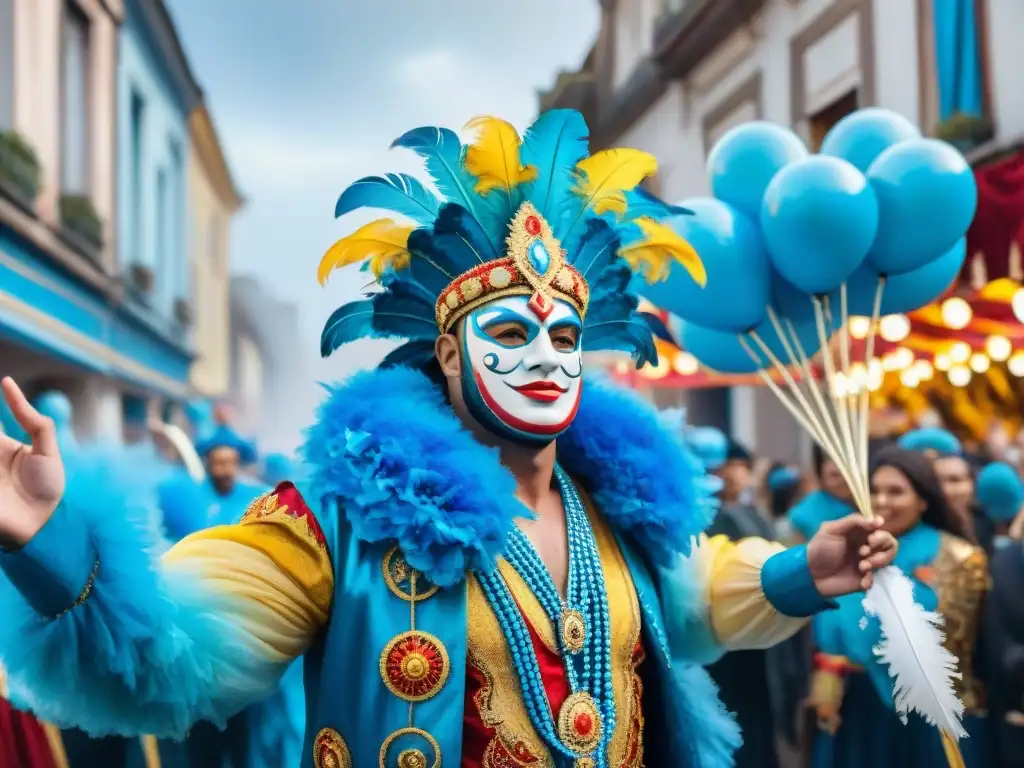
[583, 726]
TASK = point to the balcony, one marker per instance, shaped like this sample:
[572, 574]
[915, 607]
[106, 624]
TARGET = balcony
[81, 227]
[689, 30]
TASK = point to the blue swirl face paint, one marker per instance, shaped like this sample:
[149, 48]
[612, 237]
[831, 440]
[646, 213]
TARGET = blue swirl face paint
[527, 391]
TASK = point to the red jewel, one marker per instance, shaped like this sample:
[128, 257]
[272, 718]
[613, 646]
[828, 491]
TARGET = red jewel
[584, 724]
[532, 225]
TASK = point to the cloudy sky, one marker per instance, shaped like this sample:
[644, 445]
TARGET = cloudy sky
[307, 101]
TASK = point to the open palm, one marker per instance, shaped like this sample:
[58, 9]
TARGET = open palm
[31, 476]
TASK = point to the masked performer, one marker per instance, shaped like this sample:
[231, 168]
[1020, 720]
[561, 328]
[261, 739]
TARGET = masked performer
[497, 565]
[851, 691]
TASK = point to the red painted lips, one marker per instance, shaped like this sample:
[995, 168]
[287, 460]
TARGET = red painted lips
[541, 391]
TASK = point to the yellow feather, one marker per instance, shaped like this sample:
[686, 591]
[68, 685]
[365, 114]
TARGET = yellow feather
[606, 175]
[493, 157]
[382, 243]
[659, 247]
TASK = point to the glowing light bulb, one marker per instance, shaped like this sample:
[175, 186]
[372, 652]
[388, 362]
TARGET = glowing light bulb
[859, 326]
[859, 375]
[901, 358]
[876, 376]
[960, 352]
[998, 348]
[956, 313]
[894, 328]
[1016, 364]
[685, 364]
[980, 362]
[658, 371]
[959, 376]
[840, 387]
[943, 362]
[909, 378]
[1017, 304]
[924, 370]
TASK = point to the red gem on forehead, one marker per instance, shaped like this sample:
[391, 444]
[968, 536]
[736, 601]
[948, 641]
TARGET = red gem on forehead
[541, 305]
[532, 224]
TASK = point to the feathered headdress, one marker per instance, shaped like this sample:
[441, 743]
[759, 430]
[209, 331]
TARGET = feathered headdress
[536, 217]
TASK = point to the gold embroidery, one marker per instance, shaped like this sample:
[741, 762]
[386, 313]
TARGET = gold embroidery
[574, 631]
[86, 591]
[500, 702]
[409, 755]
[634, 754]
[398, 574]
[414, 666]
[262, 506]
[961, 582]
[330, 750]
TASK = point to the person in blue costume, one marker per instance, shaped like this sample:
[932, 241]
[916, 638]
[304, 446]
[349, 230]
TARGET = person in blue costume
[491, 563]
[931, 441]
[831, 501]
[851, 690]
[1000, 500]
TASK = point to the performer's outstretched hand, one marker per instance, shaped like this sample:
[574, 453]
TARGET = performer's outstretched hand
[31, 476]
[843, 554]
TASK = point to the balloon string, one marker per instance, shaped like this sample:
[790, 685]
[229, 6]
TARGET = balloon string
[869, 357]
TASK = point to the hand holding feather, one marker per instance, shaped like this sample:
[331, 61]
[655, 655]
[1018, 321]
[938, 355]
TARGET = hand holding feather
[844, 553]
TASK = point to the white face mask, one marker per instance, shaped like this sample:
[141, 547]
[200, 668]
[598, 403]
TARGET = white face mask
[526, 389]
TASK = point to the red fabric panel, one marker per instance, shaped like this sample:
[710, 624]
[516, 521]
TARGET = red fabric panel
[23, 742]
[999, 221]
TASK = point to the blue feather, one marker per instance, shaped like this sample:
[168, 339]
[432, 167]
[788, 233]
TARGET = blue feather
[556, 141]
[429, 266]
[658, 327]
[461, 237]
[346, 324]
[396, 192]
[611, 306]
[413, 354]
[597, 250]
[442, 152]
[627, 335]
[396, 313]
[640, 202]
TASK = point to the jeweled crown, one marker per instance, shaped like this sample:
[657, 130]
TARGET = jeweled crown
[534, 265]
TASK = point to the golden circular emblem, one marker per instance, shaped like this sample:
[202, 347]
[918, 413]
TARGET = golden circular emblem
[579, 723]
[585, 762]
[410, 757]
[330, 750]
[499, 278]
[404, 581]
[574, 631]
[414, 666]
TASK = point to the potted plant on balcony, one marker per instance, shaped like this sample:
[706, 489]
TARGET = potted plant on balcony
[140, 281]
[965, 132]
[19, 169]
[81, 225]
[183, 312]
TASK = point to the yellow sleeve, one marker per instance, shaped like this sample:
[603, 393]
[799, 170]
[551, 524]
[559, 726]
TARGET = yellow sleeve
[273, 568]
[740, 614]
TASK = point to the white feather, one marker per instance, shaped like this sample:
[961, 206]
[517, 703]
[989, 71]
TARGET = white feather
[177, 438]
[912, 648]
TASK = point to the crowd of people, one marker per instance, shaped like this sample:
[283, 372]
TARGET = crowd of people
[957, 514]
[266, 735]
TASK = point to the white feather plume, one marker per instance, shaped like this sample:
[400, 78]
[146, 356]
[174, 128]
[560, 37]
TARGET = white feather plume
[912, 648]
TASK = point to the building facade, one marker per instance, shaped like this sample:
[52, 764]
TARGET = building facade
[213, 202]
[672, 76]
[67, 316]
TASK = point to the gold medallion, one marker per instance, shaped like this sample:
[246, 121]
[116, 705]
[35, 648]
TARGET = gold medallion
[585, 762]
[574, 630]
[330, 750]
[579, 723]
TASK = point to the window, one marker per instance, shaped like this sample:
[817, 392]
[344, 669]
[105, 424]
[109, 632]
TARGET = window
[958, 57]
[822, 122]
[75, 101]
[176, 248]
[6, 64]
[136, 115]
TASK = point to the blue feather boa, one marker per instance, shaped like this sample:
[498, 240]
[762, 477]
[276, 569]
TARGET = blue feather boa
[389, 448]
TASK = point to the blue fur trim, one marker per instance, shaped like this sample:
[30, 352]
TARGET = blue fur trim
[699, 721]
[404, 469]
[141, 654]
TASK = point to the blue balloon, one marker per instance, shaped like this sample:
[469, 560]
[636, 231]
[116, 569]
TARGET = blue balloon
[819, 219]
[736, 294]
[726, 352]
[743, 162]
[860, 137]
[907, 291]
[927, 197]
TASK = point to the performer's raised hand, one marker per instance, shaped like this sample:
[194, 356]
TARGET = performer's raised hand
[844, 553]
[31, 476]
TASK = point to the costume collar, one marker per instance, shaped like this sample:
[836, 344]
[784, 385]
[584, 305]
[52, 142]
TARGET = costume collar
[402, 468]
